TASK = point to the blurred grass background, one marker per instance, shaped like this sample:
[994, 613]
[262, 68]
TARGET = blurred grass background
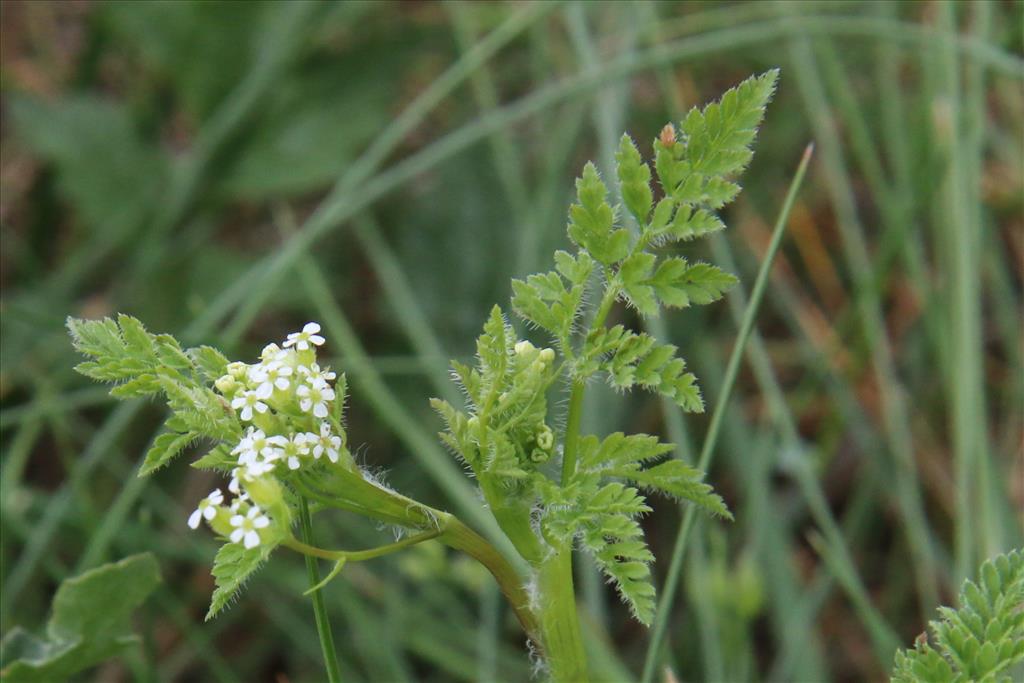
[227, 171]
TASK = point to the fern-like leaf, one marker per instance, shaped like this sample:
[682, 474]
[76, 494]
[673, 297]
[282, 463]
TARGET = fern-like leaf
[982, 640]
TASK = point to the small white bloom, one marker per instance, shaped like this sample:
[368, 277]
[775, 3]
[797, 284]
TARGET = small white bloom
[246, 527]
[207, 508]
[295, 448]
[248, 402]
[273, 375]
[302, 340]
[314, 397]
[257, 469]
[326, 442]
[315, 374]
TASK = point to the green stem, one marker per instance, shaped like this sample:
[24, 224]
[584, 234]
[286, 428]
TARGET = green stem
[559, 620]
[459, 536]
[358, 555]
[572, 425]
[323, 624]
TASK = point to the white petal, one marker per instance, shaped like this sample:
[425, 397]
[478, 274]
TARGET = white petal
[261, 522]
[281, 383]
[303, 390]
[318, 450]
[252, 539]
[305, 404]
[264, 390]
[284, 371]
[277, 440]
[317, 339]
[332, 454]
[237, 520]
[246, 413]
[209, 513]
[236, 535]
[327, 393]
[302, 345]
[193, 520]
[293, 463]
[238, 402]
[320, 410]
[311, 328]
[216, 497]
[261, 407]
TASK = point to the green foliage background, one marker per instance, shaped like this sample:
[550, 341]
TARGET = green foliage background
[226, 172]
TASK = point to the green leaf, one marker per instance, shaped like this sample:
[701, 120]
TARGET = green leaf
[165, 447]
[678, 480]
[635, 273]
[634, 180]
[679, 284]
[218, 458]
[718, 138]
[232, 567]
[982, 640]
[631, 359]
[210, 362]
[591, 220]
[89, 623]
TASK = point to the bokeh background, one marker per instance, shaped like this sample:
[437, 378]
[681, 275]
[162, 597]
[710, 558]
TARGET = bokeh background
[227, 171]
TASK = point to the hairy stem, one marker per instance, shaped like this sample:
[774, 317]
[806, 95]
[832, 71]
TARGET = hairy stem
[323, 624]
[559, 620]
[459, 536]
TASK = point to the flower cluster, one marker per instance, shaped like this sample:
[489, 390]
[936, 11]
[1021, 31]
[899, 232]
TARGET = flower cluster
[292, 417]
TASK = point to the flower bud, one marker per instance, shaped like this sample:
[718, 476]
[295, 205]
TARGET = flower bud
[523, 347]
[238, 370]
[545, 438]
[668, 135]
[270, 352]
[538, 456]
[547, 355]
[226, 385]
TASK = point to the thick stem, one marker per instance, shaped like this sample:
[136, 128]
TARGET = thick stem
[459, 536]
[323, 624]
[559, 620]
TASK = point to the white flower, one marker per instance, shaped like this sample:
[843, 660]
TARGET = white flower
[252, 446]
[302, 340]
[273, 375]
[245, 527]
[257, 469]
[326, 443]
[314, 397]
[295, 448]
[207, 508]
[315, 374]
[248, 402]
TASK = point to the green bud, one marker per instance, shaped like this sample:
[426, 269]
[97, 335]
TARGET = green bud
[226, 385]
[547, 355]
[238, 370]
[545, 438]
[538, 456]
